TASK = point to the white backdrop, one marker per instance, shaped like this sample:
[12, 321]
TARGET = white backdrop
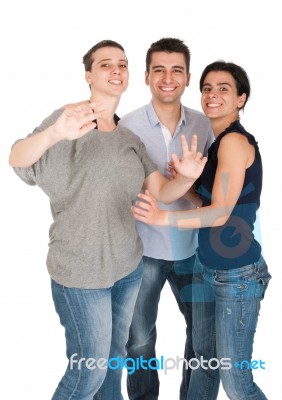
[42, 43]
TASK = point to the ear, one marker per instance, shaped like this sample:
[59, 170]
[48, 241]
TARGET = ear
[88, 77]
[147, 78]
[242, 100]
[188, 79]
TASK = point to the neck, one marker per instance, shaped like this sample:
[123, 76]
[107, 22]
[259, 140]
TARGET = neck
[219, 125]
[108, 106]
[168, 114]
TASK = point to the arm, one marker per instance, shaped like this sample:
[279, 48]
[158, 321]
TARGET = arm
[188, 169]
[235, 154]
[72, 124]
[193, 197]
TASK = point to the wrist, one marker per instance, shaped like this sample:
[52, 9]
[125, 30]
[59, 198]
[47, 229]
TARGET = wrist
[164, 218]
[52, 136]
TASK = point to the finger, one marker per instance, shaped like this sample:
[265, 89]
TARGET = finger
[147, 197]
[87, 128]
[204, 160]
[142, 205]
[138, 213]
[172, 172]
[176, 160]
[194, 141]
[85, 120]
[97, 105]
[184, 146]
[80, 106]
[169, 177]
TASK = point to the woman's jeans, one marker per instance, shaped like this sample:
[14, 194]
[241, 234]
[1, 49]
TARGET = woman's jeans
[96, 323]
[226, 306]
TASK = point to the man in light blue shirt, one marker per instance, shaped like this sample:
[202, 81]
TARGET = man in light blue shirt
[168, 252]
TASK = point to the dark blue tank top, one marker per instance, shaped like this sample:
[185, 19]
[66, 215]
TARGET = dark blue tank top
[231, 245]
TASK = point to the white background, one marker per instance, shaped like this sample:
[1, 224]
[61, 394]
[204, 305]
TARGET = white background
[42, 44]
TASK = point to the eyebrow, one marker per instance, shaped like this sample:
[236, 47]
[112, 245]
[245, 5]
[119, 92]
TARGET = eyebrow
[110, 59]
[217, 84]
[174, 66]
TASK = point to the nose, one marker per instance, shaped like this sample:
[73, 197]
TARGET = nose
[212, 93]
[116, 70]
[167, 77]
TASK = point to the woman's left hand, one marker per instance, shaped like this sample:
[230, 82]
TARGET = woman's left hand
[147, 210]
[192, 163]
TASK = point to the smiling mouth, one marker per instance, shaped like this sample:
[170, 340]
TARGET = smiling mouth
[213, 105]
[167, 89]
[115, 82]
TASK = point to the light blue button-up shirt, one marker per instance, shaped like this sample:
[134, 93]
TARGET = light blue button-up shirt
[168, 243]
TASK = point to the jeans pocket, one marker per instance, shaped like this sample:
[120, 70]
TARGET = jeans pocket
[262, 285]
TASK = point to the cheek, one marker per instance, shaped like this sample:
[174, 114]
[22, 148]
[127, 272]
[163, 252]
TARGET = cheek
[202, 101]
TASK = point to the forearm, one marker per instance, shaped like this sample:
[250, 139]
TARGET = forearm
[211, 216]
[27, 151]
[193, 197]
[173, 190]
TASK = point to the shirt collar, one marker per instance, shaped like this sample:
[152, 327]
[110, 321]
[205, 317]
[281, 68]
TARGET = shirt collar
[154, 120]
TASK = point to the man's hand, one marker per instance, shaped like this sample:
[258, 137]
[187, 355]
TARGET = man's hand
[192, 163]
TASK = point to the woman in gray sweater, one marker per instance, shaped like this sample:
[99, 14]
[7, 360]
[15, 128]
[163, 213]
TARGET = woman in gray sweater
[92, 169]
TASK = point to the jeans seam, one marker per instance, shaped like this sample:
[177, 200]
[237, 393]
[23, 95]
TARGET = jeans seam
[79, 341]
[207, 391]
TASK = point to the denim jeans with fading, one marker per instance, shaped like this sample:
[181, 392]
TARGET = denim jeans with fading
[96, 323]
[144, 384]
[226, 306]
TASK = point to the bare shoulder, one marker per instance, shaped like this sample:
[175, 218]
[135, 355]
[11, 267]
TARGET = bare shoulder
[235, 146]
[234, 138]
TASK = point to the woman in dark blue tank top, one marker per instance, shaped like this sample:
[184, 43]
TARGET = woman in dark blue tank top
[231, 275]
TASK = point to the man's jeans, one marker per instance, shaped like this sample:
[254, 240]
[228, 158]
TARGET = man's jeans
[226, 306]
[96, 323]
[144, 384]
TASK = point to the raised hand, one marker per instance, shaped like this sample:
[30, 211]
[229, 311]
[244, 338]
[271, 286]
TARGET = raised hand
[192, 163]
[75, 121]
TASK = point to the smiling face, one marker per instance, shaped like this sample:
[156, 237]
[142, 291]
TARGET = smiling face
[109, 72]
[167, 77]
[220, 98]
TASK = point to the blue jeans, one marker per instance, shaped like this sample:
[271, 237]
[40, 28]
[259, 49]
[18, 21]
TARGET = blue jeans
[144, 384]
[226, 306]
[96, 323]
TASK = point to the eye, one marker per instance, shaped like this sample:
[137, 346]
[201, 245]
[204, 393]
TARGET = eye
[178, 71]
[206, 89]
[123, 66]
[105, 65]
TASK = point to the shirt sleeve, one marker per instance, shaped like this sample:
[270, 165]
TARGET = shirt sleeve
[30, 174]
[148, 164]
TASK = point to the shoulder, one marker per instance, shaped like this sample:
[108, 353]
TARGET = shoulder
[128, 134]
[192, 113]
[237, 133]
[234, 139]
[197, 119]
[131, 116]
[234, 146]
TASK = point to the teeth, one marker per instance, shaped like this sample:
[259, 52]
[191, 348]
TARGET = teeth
[213, 105]
[115, 82]
[167, 89]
